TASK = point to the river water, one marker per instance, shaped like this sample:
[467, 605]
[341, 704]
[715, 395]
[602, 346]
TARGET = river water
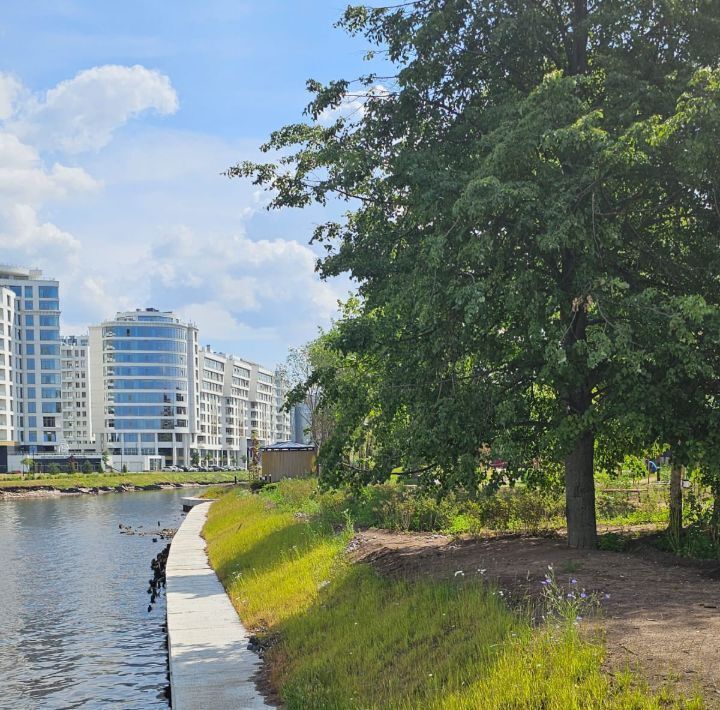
[75, 631]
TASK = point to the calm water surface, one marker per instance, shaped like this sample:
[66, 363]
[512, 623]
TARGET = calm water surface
[74, 627]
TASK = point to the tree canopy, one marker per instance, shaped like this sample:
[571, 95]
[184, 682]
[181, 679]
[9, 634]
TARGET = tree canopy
[533, 223]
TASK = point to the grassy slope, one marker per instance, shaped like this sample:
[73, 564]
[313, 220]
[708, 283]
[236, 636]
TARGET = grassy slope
[349, 638]
[97, 480]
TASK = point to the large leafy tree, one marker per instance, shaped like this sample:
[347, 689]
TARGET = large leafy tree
[532, 210]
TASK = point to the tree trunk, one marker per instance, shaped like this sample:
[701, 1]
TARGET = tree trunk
[579, 63]
[580, 494]
[676, 502]
[715, 518]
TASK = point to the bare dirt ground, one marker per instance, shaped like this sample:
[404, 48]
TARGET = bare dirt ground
[662, 617]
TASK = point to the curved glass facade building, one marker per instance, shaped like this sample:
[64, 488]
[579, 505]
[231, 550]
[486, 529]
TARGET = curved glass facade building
[143, 365]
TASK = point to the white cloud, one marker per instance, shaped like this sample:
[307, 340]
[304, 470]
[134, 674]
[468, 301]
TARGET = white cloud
[81, 113]
[21, 229]
[10, 91]
[216, 322]
[24, 177]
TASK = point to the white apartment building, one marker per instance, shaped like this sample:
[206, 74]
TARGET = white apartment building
[7, 409]
[75, 390]
[283, 419]
[223, 408]
[262, 404]
[31, 350]
[143, 374]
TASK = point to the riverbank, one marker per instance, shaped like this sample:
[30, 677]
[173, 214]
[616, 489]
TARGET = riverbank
[96, 484]
[327, 617]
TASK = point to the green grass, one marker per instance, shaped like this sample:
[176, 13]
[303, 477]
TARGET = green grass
[346, 637]
[112, 480]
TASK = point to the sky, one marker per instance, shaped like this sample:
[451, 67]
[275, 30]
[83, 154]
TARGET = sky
[116, 122]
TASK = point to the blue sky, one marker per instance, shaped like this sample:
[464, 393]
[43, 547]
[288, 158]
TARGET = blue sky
[116, 120]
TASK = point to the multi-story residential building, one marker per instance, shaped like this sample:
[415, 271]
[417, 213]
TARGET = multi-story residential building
[31, 346]
[143, 375]
[262, 404]
[223, 409]
[75, 390]
[283, 419]
[7, 409]
[237, 400]
[211, 405]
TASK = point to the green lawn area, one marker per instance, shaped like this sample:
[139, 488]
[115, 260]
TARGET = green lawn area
[112, 480]
[346, 637]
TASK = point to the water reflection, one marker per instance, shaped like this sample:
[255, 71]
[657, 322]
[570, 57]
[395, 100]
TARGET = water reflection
[74, 626]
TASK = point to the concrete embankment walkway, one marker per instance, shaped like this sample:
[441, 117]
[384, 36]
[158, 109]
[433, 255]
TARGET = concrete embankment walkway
[210, 665]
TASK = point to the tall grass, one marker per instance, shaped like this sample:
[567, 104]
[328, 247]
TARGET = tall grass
[346, 637]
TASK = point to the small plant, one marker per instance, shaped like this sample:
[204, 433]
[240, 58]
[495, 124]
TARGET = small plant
[567, 603]
[87, 467]
[124, 468]
[53, 469]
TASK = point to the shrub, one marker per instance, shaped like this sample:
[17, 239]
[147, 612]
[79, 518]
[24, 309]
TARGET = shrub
[517, 509]
[612, 542]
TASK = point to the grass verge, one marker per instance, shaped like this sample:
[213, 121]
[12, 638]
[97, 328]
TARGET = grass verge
[112, 480]
[345, 637]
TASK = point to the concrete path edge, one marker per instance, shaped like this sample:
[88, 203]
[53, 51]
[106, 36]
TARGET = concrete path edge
[210, 665]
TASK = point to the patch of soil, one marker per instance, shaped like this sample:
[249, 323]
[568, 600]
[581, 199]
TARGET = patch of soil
[662, 617]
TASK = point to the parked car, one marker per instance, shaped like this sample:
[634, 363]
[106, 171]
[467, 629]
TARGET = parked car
[174, 469]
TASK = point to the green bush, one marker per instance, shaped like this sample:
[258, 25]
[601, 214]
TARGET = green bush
[517, 509]
[405, 508]
[612, 542]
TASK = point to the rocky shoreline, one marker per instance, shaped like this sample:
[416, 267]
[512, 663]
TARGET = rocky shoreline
[43, 491]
